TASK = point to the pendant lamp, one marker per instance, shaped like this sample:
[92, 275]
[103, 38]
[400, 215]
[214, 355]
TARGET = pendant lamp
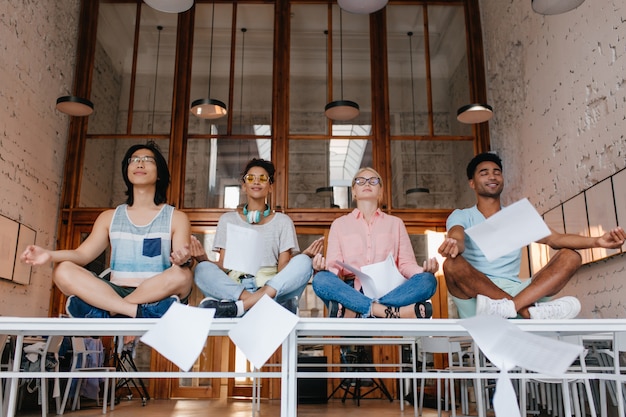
[341, 109]
[416, 189]
[550, 7]
[74, 106]
[474, 113]
[170, 6]
[362, 6]
[209, 108]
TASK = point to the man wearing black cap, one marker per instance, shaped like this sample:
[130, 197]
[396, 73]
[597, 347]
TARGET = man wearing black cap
[478, 286]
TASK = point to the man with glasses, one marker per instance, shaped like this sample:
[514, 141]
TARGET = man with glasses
[283, 274]
[150, 259]
[368, 236]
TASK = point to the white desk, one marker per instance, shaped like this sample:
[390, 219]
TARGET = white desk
[317, 328]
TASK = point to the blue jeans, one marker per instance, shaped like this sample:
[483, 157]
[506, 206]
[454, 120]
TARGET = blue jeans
[288, 283]
[329, 287]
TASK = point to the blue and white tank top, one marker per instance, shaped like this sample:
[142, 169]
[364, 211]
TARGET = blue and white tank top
[139, 252]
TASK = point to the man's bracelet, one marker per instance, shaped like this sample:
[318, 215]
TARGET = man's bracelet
[187, 264]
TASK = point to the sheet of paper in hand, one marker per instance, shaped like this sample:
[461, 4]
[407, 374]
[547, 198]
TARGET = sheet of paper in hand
[377, 279]
[243, 249]
[510, 229]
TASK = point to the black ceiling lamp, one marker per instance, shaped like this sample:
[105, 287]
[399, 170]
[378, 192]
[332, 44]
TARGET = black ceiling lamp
[209, 108]
[550, 7]
[170, 6]
[416, 189]
[74, 106]
[474, 113]
[341, 109]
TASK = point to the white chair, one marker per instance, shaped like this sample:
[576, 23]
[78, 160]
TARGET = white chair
[455, 355]
[4, 338]
[558, 396]
[50, 347]
[85, 360]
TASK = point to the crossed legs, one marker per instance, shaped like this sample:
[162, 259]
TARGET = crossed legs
[465, 282]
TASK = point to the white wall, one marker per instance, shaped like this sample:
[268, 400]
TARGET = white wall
[558, 88]
[38, 47]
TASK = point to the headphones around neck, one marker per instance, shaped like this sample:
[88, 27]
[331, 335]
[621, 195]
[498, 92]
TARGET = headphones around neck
[255, 216]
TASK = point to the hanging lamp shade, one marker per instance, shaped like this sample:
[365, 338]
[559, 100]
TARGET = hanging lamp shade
[555, 6]
[362, 6]
[474, 113]
[341, 110]
[74, 106]
[417, 190]
[170, 6]
[208, 108]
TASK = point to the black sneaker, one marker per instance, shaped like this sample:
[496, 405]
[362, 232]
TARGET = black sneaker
[157, 309]
[290, 304]
[223, 309]
[78, 309]
[423, 310]
[335, 309]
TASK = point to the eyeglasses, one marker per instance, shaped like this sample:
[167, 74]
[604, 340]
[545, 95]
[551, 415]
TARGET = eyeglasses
[249, 178]
[142, 159]
[363, 180]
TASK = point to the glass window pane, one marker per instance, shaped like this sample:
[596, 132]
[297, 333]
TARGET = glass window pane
[210, 70]
[438, 166]
[408, 99]
[152, 104]
[448, 67]
[308, 68]
[102, 184]
[321, 171]
[112, 67]
[252, 101]
[214, 166]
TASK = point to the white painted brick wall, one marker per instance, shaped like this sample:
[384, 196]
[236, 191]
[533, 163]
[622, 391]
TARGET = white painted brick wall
[557, 84]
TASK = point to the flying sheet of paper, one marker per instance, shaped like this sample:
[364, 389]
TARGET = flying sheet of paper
[510, 229]
[506, 346]
[377, 279]
[262, 330]
[243, 249]
[180, 334]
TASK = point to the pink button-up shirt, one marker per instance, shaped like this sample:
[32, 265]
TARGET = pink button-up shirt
[355, 242]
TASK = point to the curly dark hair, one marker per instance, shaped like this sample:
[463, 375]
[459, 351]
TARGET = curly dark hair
[480, 158]
[266, 165]
[163, 173]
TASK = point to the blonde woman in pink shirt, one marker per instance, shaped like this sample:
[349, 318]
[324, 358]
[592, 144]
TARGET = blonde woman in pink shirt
[367, 236]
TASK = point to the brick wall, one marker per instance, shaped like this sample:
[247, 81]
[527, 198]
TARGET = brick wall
[557, 87]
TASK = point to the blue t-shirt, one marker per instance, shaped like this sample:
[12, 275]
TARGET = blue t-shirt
[507, 266]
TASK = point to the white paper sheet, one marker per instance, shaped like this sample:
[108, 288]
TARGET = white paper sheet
[243, 249]
[510, 229]
[180, 334]
[506, 346]
[262, 330]
[377, 279]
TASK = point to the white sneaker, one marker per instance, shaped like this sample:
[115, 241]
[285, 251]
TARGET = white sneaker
[561, 308]
[486, 306]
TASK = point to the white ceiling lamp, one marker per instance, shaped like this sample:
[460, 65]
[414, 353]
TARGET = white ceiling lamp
[362, 6]
[474, 113]
[341, 110]
[555, 6]
[170, 6]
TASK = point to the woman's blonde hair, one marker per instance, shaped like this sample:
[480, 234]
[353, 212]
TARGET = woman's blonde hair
[358, 174]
